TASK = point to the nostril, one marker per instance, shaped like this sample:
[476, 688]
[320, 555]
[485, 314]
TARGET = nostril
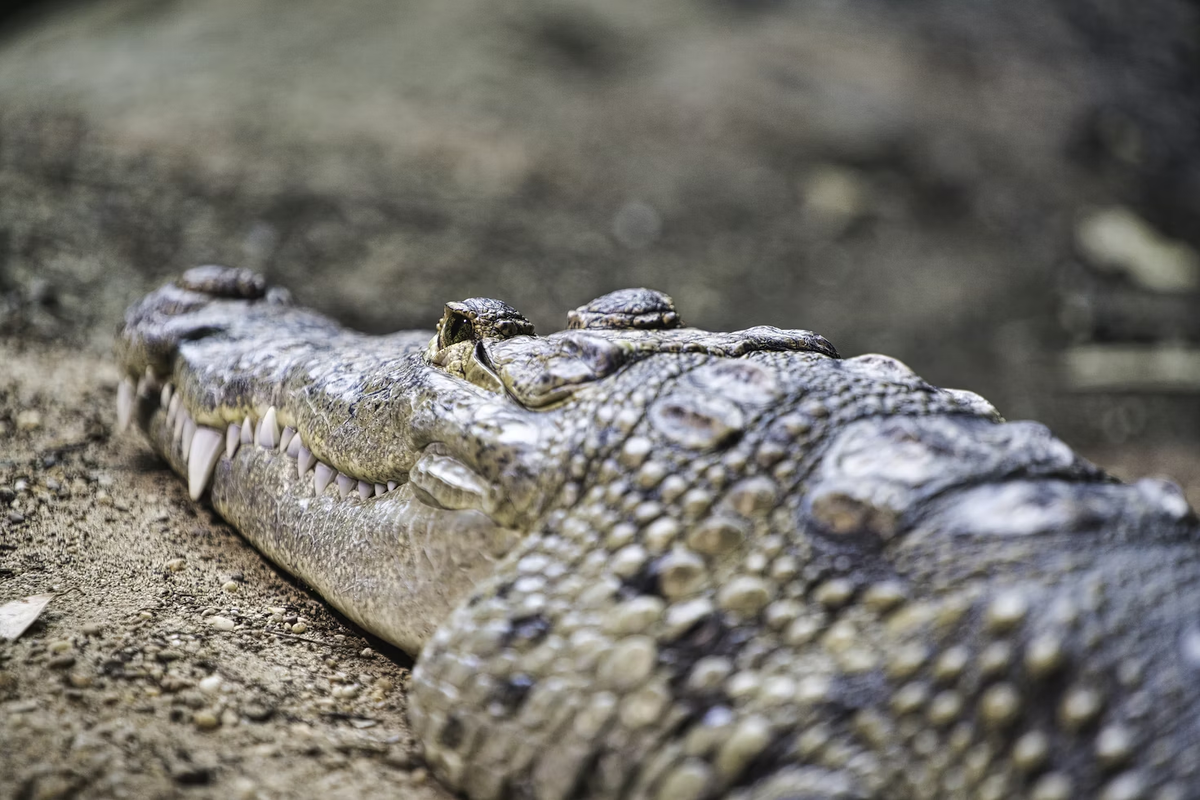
[228, 282]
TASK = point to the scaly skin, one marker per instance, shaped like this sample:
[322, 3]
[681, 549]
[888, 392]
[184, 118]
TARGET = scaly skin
[641, 560]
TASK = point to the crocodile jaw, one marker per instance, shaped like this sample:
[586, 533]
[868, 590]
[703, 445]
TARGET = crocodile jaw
[412, 562]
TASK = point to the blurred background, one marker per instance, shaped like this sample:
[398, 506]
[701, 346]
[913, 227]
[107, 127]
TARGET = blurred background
[1005, 194]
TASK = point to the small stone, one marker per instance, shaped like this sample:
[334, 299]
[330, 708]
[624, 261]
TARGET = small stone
[205, 720]
[211, 684]
[299, 628]
[62, 662]
[257, 712]
[16, 517]
[60, 646]
[221, 623]
[230, 587]
[79, 681]
[29, 419]
[176, 565]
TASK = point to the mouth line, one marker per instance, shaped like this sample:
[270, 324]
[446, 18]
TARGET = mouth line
[439, 480]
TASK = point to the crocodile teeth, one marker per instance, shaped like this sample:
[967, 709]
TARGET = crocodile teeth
[294, 446]
[322, 477]
[391, 485]
[380, 489]
[189, 433]
[173, 410]
[143, 387]
[233, 439]
[305, 460]
[177, 424]
[124, 404]
[365, 490]
[205, 453]
[168, 392]
[286, 437]
[345, 484]
[247, 431]
[268, 430]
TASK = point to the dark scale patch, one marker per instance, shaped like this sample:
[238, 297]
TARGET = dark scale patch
[643, 582]
[527, 630]
[710, 636]
[452, 733]
[511, 695]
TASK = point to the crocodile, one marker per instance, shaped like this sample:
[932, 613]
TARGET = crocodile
[636, 559]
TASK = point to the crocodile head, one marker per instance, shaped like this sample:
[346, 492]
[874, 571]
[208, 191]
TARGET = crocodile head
[440, 449]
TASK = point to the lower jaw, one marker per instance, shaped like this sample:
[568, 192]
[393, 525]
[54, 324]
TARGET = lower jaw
[392, 564]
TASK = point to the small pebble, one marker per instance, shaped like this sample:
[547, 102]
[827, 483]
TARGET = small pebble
[221, 623]
[205, 720]
[176, 564]
[230, 587]
[79, 681]
[62, 662]
[16, 517]
[211, 684]
[257, 712]
[299, 627]
[60, 646]
[29, 420]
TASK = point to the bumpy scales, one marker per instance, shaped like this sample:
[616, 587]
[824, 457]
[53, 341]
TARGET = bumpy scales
[639, 560]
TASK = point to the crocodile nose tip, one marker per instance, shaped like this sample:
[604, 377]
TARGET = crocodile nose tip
[644, 309]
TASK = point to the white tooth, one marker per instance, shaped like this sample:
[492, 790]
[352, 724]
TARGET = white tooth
[173, 409]
[180, 417]
[392, 485]
[380, 489]
[345, 484]
[164, 399]
[206, 452]
[305, 460]
[143, 387]
[189, 433]
[365, 490]
[268, 430]
[233, 435]
[247, 431]
[322, 476]
[290, 442]
[124, 404]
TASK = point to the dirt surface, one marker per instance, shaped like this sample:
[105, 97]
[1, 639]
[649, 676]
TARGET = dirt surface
[173, 660]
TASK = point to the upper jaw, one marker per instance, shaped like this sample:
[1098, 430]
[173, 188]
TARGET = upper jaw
[464, 447]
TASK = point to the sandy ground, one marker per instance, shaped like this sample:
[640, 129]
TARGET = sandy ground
[174, 660]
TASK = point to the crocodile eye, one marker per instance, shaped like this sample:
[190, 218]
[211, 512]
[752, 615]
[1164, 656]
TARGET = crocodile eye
[455, 328]
[478, 318]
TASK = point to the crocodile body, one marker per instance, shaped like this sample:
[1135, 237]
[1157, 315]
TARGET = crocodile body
[641, 560]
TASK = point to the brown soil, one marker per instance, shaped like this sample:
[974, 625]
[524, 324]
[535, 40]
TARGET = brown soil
[125, 687]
